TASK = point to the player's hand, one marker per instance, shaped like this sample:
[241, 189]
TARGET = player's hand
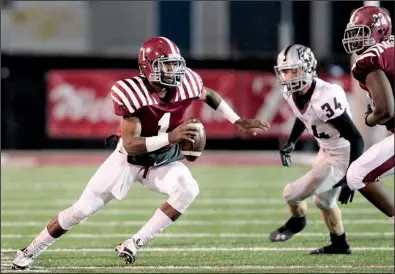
[250, 125]
[285, 154]
[184, 132]
[346, 194]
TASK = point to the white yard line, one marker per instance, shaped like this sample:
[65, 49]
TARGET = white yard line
[38, 269]
[133, 201]
[237, 267]
[26, 271]
[79, 186]
[205, 212]
[202, 235]
[196, 222]
[208, 249]
[203, 183]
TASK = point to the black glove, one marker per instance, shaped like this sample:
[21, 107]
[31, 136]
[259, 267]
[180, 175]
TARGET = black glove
[368, 111]
[285, 154]
[346, 194]
[111, 141]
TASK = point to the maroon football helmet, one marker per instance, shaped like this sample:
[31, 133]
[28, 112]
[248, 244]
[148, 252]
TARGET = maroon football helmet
[368, 25]
[160, 62]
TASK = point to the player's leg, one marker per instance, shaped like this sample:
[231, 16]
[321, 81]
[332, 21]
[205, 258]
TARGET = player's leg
[88, 204]
[96, 194]
[363, 174]
[174, 180]
[332, 216]
[295, 194]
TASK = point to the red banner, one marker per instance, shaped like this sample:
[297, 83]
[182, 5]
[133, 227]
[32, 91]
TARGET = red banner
[79, 105]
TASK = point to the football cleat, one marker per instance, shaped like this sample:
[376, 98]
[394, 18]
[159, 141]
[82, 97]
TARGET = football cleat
[22, 260]
[128, 250]
[332, 249]
[281, 234]
[338, 245]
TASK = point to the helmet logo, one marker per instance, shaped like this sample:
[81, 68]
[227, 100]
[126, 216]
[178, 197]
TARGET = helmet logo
[302, 53]
[378, 20]
[306, 57]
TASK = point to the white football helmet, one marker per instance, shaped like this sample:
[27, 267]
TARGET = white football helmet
[296, 68]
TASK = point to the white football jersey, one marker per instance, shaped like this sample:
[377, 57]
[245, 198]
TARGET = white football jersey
[327, 102]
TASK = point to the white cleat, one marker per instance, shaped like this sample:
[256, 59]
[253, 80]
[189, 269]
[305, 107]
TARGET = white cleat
[22, 260]
[128, 250]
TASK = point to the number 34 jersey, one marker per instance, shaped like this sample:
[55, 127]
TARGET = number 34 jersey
[327, 102]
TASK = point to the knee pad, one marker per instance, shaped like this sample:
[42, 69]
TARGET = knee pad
[71, 217]
[354, 179]
[324, 203]
[183, 195]
[87, 205]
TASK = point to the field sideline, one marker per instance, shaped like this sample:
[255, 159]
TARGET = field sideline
[95, 157]
[224, 230]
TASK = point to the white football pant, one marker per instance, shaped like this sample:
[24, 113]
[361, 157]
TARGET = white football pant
[329, 167]
[377, 162]
[114, 178]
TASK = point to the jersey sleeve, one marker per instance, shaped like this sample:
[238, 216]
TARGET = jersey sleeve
[331, 104]
[366, 63]
[196, 83]
[121, 95]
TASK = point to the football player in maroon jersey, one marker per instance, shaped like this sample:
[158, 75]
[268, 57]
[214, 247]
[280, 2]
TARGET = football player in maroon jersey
[152, 107]
[368, 34]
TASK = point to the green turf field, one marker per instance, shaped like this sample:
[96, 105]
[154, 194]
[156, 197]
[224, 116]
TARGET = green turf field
[225, 229]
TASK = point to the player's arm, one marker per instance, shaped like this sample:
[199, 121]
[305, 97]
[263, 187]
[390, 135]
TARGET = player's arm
[131, 127]
[348, 131]
[381, 92]
[133, 143]
[296, 131]
[289, 146]
[215, 101]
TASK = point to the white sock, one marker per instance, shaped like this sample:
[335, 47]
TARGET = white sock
[392, 219]
[153, 227]
[40, 243]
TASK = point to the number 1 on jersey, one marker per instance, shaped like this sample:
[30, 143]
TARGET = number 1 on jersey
[164, 123]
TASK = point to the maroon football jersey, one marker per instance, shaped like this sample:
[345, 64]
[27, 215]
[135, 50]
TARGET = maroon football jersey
[134, 97]
[379, 56]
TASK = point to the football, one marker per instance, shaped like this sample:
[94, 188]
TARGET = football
[192, 151]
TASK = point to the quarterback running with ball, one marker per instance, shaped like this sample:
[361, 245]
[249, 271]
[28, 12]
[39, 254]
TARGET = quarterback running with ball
[322, 109]
[152, 108]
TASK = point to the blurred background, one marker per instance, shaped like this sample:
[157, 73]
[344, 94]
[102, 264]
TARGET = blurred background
[60, 58]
